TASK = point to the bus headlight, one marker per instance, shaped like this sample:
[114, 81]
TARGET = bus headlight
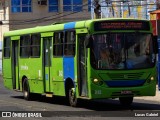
[152, 78]
[97, 81]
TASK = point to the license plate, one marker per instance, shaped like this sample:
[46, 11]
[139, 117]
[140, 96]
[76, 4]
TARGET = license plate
[126, 92]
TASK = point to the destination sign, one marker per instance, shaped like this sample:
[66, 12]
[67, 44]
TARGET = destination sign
[121, 25]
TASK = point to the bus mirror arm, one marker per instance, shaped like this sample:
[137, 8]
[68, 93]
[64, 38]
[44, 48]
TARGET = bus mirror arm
[99, 64]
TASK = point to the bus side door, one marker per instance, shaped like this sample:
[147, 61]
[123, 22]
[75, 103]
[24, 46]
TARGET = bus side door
[82, 63]
[14, 61]
[47, 54]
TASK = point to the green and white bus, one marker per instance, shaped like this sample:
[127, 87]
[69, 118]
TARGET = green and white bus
[92, 59]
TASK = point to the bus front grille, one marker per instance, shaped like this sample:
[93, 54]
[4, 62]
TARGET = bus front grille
[125, 76]
[124, 83]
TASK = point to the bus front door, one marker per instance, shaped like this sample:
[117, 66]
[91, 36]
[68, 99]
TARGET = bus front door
[47, 62]
[82, 66]
[15, 79]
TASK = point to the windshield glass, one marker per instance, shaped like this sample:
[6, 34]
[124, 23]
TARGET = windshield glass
[122, 51]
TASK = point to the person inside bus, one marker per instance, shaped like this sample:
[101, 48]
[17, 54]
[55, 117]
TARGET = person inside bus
[104, 61]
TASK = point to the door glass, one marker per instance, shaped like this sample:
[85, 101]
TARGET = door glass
[82, 67]
[47, 46]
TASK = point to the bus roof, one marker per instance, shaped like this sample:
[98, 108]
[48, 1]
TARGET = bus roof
[60, 27]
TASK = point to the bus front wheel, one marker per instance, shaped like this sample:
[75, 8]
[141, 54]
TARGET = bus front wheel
[126, 101]
[73, 101]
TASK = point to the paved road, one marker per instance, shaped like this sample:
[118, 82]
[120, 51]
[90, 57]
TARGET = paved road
[13, 101]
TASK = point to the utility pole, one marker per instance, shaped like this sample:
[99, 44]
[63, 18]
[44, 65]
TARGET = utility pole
[97, 12]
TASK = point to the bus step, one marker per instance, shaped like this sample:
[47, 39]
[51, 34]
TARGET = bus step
[17, 90]
[84, 97]
[49, 95]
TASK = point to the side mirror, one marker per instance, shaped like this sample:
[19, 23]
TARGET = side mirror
[155, 44]
[88, 41]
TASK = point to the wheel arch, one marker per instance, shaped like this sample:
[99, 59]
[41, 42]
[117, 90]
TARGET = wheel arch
[69, 83]
[23, 79]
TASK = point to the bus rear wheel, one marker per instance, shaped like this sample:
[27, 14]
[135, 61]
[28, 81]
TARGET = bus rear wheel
[73, 101]
[126, 101]
[26, 90]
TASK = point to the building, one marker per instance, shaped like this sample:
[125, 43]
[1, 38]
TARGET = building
[4, 17]
[29, 13]
[155, 19]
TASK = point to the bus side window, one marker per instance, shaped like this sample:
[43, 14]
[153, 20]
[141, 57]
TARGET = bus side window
[35, 45]
[69, 43]
[7, 45]
[58, 44]
[25, 46]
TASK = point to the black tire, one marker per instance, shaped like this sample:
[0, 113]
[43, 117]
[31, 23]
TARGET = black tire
[126, 101]
[73, 101]
[26, 90]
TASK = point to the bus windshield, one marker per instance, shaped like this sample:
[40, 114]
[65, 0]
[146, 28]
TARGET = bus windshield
[122, 51]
